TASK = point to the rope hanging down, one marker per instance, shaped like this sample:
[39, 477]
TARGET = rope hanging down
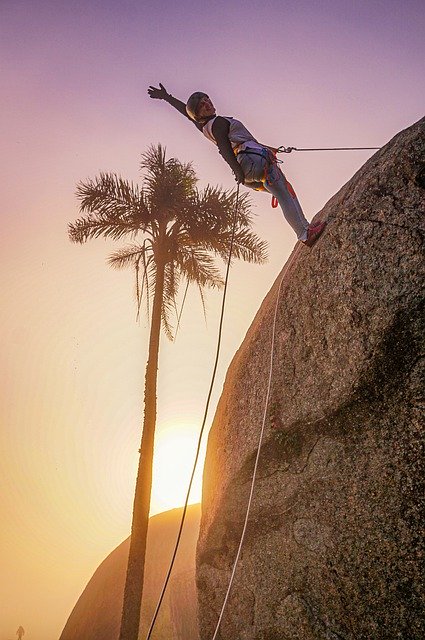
[279, 150]
[260, 441]
[234, 222]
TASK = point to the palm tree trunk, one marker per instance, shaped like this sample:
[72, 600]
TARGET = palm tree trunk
[136, 559]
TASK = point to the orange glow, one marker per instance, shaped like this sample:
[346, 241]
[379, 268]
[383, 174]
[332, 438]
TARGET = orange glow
[175, 450]
[73, 357]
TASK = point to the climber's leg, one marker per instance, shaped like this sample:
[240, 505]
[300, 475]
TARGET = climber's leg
[279, 187]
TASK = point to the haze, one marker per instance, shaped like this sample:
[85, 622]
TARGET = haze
[75, 77]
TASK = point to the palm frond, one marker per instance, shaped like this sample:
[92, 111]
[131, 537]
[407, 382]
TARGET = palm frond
[90, 227]
[246, 246]
[136, 256]
[115, 207]
[204, 308]
[148, 284]
[169, 307]
[153, 160]
[180, 313]
[129, 255]
[108, 194]
[218, 204]
[139, 290]
[198, 266]
[167, 184]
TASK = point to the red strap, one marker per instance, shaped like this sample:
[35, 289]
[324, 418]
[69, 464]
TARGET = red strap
[274, 202]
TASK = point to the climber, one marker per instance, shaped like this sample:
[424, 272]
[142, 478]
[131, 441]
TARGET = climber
[253, 164]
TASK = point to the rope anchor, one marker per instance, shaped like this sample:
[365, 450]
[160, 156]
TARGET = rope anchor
[283, 149]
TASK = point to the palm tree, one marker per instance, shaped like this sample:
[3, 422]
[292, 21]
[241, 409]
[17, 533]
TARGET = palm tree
[181, 230]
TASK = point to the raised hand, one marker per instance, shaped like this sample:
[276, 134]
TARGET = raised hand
[158, 93]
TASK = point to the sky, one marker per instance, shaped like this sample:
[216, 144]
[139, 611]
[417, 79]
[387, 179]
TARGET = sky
[74, 102]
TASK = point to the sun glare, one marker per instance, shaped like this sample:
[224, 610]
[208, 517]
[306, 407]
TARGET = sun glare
[175, 449]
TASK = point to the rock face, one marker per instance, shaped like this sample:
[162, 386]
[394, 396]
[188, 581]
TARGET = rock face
[97, 614]
[332, 548]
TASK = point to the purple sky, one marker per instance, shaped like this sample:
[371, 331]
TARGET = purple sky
[74, 77]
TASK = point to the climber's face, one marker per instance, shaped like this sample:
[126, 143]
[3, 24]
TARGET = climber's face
[205, 108]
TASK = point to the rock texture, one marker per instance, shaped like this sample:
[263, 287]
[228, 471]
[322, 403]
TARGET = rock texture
[332, 549]
[97, 614]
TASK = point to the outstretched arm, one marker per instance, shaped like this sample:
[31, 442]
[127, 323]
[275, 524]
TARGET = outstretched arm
[160, 93]
[220, 130]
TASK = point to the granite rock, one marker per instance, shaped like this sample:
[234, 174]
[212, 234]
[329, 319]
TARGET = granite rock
[333, 545]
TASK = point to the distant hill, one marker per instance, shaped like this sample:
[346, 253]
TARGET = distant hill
[97, 613]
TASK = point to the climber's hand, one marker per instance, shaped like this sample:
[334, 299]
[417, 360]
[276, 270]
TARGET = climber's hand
[239, 174]
[158, 93]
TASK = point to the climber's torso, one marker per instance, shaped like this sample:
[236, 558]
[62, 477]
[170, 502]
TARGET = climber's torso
[239, 136]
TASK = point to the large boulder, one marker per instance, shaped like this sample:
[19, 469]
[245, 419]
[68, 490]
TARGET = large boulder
[332, 549]
[97, 613]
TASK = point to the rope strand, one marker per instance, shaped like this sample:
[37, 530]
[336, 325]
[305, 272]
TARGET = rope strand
[234, 222]
[281, 149]
[258, 453]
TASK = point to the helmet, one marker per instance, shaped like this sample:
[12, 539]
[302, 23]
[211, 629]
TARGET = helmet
[193, 103]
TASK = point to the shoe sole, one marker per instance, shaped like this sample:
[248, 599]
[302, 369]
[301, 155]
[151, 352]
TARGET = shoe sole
[313, 239]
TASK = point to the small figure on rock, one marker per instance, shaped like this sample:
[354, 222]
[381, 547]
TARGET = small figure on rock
[253, 164]
[20, 633]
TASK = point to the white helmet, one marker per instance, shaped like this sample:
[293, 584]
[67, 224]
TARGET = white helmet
[192, 105]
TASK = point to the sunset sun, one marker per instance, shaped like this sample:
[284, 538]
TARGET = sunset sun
[175, 450]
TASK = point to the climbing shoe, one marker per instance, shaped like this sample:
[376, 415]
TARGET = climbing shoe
[313, 232]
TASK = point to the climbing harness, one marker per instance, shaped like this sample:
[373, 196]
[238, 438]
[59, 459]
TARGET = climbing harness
[229, 260]
[270, 159]
[260, 441]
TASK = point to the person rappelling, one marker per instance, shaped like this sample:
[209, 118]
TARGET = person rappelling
[254, 164]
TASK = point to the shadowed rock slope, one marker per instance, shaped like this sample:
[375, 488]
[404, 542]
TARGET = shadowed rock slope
[333, 541]
[97, 614]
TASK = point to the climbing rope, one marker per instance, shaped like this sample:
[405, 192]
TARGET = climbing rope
[158, 606]
[290, 149]
[283, 149]
[279, 150]
[260, 441]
